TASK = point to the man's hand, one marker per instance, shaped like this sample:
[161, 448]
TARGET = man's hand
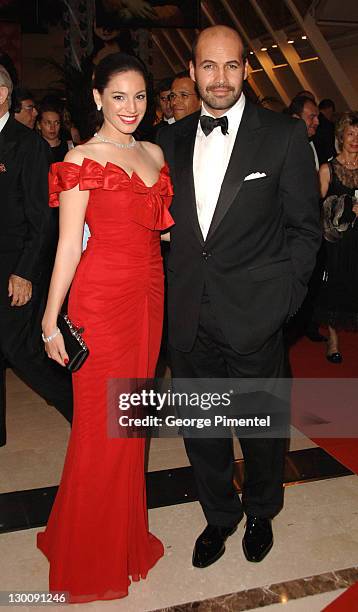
[20, 290]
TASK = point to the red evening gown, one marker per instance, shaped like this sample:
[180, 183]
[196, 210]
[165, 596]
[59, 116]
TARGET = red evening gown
[97, 535]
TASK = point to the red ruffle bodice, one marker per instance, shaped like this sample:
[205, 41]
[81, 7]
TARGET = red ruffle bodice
[150, 211]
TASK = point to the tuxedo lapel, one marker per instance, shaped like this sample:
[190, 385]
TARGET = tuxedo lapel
[247, 144]
[8, 136]
[7, 147]
[184, 152]
[2, 143]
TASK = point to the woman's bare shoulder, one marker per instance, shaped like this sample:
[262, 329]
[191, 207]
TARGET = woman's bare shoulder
[78, 153]
[154, 151]
[75, 155]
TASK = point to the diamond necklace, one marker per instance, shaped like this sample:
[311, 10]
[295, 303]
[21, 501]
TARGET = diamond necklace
[349, 163]
[130, 145]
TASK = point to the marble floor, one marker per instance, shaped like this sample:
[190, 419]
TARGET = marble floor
[315, 556]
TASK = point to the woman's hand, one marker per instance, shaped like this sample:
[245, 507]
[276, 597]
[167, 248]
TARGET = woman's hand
[355, 207]
[56, 350]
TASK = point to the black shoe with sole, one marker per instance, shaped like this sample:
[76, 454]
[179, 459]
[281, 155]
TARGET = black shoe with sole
[258, 538]
[210, 545]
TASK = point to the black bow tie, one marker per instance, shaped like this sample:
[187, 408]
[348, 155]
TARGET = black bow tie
[208, 124]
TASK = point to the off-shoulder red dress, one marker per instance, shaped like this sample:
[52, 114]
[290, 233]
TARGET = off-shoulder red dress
[97, 536]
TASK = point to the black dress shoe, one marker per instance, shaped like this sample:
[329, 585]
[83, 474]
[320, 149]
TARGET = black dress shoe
[315, 336]
[210, 545]
[335, 357]
[258, 538]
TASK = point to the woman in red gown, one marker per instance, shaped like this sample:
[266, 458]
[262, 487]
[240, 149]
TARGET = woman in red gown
[97, 535]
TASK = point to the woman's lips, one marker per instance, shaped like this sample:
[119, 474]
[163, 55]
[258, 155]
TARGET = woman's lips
[128, 120]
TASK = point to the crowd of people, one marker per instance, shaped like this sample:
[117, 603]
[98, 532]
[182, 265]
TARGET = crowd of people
[235, 187]
[332, 298]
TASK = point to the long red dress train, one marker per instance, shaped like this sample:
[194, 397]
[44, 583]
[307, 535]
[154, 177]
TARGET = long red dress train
[97, 534]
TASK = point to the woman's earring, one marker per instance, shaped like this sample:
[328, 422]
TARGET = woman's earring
[99, 107]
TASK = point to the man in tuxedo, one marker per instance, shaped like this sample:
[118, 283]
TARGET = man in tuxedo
[302, 107]
[242, 250]
[165, 107]
[27, 231]
[163, 99]
[184, 96]
[325, 136]
[23, 107]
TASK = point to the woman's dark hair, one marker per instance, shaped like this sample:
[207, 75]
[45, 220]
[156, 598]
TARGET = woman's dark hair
[48, 108]
[113, 64]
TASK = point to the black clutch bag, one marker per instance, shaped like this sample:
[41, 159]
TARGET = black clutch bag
[76, 347]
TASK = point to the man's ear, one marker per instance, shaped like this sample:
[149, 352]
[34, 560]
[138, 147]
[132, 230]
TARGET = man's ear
[192, 71]
[246, 69]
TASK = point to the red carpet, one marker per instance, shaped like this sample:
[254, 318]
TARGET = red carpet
[347, 602]
[308, 361]
[308, 358]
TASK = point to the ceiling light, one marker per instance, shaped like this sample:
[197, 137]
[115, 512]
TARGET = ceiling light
[251, 53]
[304, 37]
[290, 42]
[263, 48]
[274, 46]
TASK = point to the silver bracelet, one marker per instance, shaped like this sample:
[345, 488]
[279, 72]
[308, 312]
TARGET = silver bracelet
[49, 338]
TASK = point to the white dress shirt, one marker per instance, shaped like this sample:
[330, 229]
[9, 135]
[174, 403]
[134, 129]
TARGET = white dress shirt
[211, 158]
[3, 120]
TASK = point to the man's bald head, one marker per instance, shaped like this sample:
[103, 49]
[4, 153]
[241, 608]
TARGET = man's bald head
[218, 32]
[219, 68]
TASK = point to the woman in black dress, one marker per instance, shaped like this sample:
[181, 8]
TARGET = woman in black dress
[338, 303]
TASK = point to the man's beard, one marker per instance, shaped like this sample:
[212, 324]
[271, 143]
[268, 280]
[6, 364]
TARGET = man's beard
[224, 102]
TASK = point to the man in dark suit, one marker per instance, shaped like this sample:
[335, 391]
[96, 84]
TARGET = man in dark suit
[325, 137]
[26, 233]
[163, 102]
[23, 107]
[242, 250]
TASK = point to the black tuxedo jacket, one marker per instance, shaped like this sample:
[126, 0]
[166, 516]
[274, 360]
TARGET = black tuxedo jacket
[261, 247]
[162, 125]
[26, 222]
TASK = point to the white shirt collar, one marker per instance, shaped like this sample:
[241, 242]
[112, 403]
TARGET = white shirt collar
[234, 114]
[314, 154]
[3, 120]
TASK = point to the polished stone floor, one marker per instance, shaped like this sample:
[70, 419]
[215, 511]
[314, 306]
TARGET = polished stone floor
[314, 558]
